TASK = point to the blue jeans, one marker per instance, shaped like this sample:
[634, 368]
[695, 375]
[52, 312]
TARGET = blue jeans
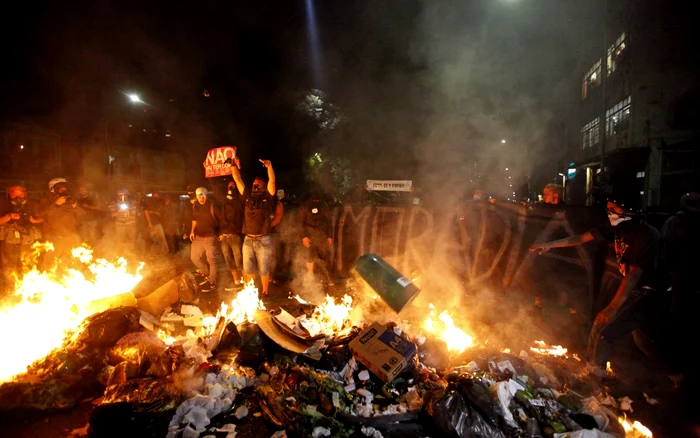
[257, 253]
[231, 247]
[204, 245]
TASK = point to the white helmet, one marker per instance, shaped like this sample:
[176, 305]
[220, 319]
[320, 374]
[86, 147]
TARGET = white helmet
[55, 181]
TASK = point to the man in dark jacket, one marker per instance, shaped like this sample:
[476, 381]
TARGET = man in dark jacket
[314, 217]
[257, 222]
[61, 224]
[230, 217]
[203, 237]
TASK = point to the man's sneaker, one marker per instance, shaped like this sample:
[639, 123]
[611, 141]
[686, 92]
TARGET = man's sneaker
[208, 286]
[235, 287]
[204, 281]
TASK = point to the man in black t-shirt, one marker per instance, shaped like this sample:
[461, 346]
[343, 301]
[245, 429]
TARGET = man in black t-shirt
[314, 217]
[637, 247]
[203, 237]
[230, 217]
[258, 211]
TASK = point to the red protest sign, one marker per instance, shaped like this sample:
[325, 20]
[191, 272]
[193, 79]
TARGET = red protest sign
[214, 164]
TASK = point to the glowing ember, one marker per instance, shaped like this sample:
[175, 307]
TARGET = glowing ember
[635, 429]
[552, 350]
[608, 368]
[328, 317]
[53, 305]
[456, 339]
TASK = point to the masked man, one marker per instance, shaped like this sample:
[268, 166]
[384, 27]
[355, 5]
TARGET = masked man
[257, 222]
[18, 231]
[314, 216]
[61, 223]
[230, 217]
[637, 247]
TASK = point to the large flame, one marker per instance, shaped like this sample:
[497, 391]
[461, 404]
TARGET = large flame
[245, 304]
[456, 339]
[328, 317]
[634, 429]
[53, 305]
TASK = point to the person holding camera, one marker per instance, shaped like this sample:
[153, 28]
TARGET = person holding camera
[18, 231]
[61, 223]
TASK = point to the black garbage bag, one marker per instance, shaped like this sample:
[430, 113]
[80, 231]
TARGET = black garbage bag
[144, 353]
[230, 342]
[104, 329]
[254, 344]
[187, 287]
[455, 418]
[139, 407]
[334, 358]
[477, 394]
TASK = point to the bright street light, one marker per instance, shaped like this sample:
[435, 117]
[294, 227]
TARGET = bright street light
[561, 174]
[503, 141]
[134, 98]
[506, 168]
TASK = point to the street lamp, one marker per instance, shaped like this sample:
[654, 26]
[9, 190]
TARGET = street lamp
[134, 99]
[503, 141]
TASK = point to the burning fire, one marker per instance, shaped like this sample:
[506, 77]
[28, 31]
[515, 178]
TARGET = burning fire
[552, 350]
[328, 317]
[635, 429]
[53, 305]
[456, 339]
[245, 304]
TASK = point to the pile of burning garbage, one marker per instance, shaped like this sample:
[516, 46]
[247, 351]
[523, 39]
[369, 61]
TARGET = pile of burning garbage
[307, 370]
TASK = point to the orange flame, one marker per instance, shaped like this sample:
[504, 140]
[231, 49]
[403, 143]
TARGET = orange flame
[552, 350]
[634, 429]
[456, 339]
[54, 305]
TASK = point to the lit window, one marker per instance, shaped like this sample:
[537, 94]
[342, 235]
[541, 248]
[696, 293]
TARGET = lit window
[641, 174]
[617, 118]
[614, 53]
[591, 79]
[590, 133]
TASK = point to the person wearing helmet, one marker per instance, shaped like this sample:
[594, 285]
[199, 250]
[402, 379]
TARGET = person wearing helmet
[637, 249]
[61, 223]
[18, 231]
[122, 212]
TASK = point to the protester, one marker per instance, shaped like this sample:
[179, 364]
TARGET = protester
[203, 236]
[170, 222]
[681, 238]
[143, 233]
[276, 236]
[637, 247]
[123, 213]
[90, 222]
[153, 212]
[230, 218]
[257, 222]
[61, 223]
[18, 231]
[314, 218]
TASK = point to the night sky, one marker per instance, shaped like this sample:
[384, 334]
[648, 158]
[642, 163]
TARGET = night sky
[421, 86]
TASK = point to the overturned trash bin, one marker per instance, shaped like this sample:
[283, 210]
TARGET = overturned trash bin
[395, 289]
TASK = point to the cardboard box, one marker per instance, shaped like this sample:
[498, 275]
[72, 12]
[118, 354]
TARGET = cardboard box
[382, 351]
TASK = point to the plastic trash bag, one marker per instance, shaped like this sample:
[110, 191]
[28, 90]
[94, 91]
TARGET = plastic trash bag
[139, 407]
[106, 328]
[455, 418]
[478, 395]
[144, 353]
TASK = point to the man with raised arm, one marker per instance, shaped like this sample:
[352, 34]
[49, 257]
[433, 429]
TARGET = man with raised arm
[258, 204]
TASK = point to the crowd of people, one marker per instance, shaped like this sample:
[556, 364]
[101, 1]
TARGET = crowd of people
[241, 227]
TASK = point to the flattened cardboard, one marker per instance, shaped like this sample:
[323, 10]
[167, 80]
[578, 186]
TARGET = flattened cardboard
[284, 339]
[382, 351]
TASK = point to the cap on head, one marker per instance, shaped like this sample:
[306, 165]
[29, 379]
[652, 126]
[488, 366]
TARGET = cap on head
[201, 191]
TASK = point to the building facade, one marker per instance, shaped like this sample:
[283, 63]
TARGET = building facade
[634, 120]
